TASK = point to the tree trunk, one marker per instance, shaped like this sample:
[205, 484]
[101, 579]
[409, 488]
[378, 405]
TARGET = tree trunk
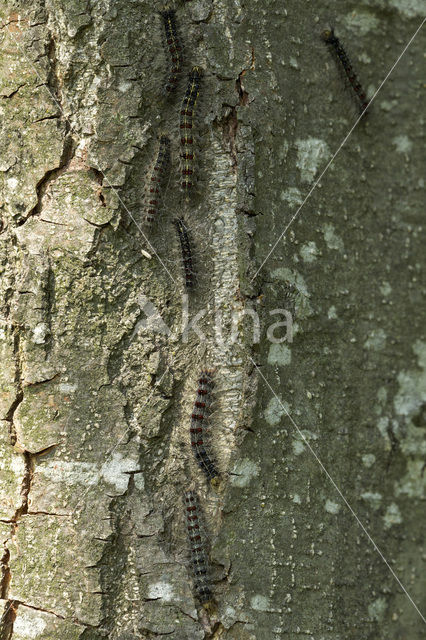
[315, 529]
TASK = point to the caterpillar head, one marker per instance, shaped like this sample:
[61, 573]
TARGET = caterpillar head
[328, 35]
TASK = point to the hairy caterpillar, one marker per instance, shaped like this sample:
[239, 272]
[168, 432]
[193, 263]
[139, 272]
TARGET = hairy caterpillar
[187, 256]
[187, 124]
[157, 180]
[199, 427]
[331, 39]
[175, 49]
[198, 546]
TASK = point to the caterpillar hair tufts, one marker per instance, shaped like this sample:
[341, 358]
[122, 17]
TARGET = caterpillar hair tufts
[198, 549]
[334, 43]
[199, 427]
[174, 46]
[187, 255]
[157, 181]
[188, 107]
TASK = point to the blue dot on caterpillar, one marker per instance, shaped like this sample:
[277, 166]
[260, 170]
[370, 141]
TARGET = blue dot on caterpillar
[199, 427]
[199, 554]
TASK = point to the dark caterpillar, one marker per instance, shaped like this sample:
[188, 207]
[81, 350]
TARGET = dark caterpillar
[175, 49]
[187, 124]
[157, 180]
[331, 39]
[199, 427]
[198, 547]
[187, 257]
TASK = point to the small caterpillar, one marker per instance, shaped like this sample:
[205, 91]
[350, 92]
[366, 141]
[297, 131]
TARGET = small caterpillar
[186, 124]
[157, 178]
[330, 38]
[175, 49]
[198, 427]
[198, 548]
[187, 257]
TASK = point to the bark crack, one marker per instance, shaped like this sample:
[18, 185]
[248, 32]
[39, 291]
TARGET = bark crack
[9, 615]
[54, 85]
[21, 510]
[54, 80]
[50, 176]
[99, 177]
[8, 619]
[31, 606]
[6, 96]
[230, 121]
[19, 396]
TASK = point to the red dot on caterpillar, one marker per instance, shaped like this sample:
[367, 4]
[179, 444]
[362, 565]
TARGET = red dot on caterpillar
[199, 555]
[199, 426]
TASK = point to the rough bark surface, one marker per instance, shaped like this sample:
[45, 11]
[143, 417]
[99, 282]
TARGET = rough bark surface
[96, 391]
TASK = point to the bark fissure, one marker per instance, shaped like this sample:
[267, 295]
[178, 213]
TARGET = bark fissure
[8, 619]
[6, 96]
[54, 80]
[19, 395]
[68, 152]
[31, 606]
[230, 121]
[21, 510]
[99, 177]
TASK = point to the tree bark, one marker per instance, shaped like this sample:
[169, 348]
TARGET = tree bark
[316, 527]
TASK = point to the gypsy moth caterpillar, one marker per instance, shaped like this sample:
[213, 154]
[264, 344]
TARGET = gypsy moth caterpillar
[199, 426]
[333, 41]
[175, 49]
[157, 181]
[198, 548]
[187, 255]
[187, 126]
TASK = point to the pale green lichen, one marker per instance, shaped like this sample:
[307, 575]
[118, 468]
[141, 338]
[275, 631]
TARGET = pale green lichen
[377, 609]
[309, 252]
[279, 354]
[361, 21]
[260, 603]
[412, 392]
[332, 507]
[301, 439]
[332, 240]
[244, 471]
[311, 154]
[392, 516]
[373, 499]
[403, 144]
[275, 410]
[368, 459]
[292, 196]
[376, 340]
